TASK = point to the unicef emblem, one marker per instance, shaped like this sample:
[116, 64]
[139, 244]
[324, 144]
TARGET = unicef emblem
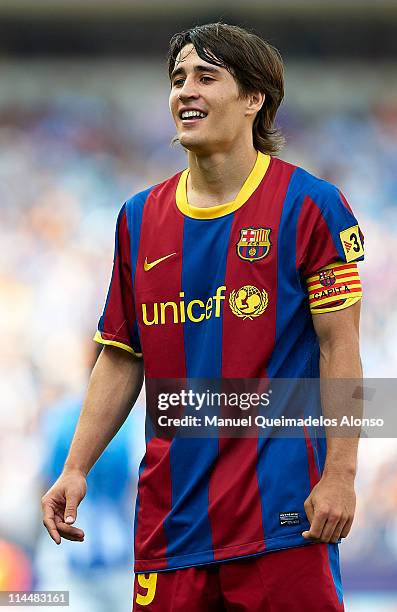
[248, 302]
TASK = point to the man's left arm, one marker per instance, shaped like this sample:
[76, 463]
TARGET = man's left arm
[331, 504]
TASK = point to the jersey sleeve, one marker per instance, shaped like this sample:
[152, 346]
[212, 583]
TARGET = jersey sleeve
[118, 325]
[329, 243]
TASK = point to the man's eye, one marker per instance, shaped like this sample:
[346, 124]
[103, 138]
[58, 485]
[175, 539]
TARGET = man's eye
[178, 82]
[206, 78]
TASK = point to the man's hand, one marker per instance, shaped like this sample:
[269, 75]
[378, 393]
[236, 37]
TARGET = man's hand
[60, 503]
[330, 508]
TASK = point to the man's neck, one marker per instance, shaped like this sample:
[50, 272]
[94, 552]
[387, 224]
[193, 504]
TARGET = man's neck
[218, 178]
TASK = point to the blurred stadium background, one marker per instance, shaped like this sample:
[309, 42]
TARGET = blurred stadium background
[84, 124]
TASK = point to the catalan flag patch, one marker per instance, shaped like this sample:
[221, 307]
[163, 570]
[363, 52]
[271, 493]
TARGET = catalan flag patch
[334, 287]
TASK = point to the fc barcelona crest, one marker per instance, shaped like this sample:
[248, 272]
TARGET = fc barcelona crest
[254, 243]
[327, 277]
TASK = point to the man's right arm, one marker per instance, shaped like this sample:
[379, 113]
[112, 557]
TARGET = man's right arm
[113, 389]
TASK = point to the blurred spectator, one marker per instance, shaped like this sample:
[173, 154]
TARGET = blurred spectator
[15, 568]
[97, 572]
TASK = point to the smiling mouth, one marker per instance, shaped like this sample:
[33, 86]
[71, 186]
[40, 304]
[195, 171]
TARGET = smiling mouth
[188, 117]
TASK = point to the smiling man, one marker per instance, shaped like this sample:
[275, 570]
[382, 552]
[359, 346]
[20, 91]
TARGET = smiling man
[241, 266]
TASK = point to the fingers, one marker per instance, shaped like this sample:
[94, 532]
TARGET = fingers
[331, 524]
[346, 529]
[49, 523]
[309, 509]
[330, 510]
[338, 530]
[57, 527]
[328, 526]
[317, 526]
[67, 531]
[71, 509]
[73, 496]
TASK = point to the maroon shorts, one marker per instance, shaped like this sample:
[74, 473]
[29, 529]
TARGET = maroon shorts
[303, 579]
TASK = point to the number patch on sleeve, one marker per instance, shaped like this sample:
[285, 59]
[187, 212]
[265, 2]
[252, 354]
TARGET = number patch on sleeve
[149, 584]
[351, 242]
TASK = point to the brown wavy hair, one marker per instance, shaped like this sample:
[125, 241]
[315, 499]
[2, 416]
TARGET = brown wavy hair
[254, 63]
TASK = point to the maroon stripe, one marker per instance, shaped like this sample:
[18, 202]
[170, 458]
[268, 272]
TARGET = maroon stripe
[119, 317]
[164, 357]
[313, 471]
[161, 235]
[315, 247]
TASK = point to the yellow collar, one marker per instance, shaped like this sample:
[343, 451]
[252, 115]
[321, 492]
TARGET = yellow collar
[212, 212]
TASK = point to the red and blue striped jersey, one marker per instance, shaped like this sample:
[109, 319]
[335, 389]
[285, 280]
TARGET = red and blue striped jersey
[216, 293]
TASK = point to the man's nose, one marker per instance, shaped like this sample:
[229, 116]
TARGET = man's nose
[189, 90]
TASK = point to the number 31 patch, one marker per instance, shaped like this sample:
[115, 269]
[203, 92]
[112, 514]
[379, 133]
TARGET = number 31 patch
[351, 242]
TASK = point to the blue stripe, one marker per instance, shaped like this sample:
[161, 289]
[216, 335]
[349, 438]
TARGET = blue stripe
[284, 460]
[333, 555]
[333, 210]
[134, 210]
[205, 247]
[149, 434]
[141, 468]
[296, 345]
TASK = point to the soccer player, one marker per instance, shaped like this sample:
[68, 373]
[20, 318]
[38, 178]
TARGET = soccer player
[241, 266]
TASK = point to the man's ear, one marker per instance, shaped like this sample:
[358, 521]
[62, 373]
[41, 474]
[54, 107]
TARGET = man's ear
[255, 101]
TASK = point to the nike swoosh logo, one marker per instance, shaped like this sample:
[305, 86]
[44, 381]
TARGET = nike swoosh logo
[148, 266]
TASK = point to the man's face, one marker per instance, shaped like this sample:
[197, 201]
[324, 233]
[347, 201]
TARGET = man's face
[212, 90]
